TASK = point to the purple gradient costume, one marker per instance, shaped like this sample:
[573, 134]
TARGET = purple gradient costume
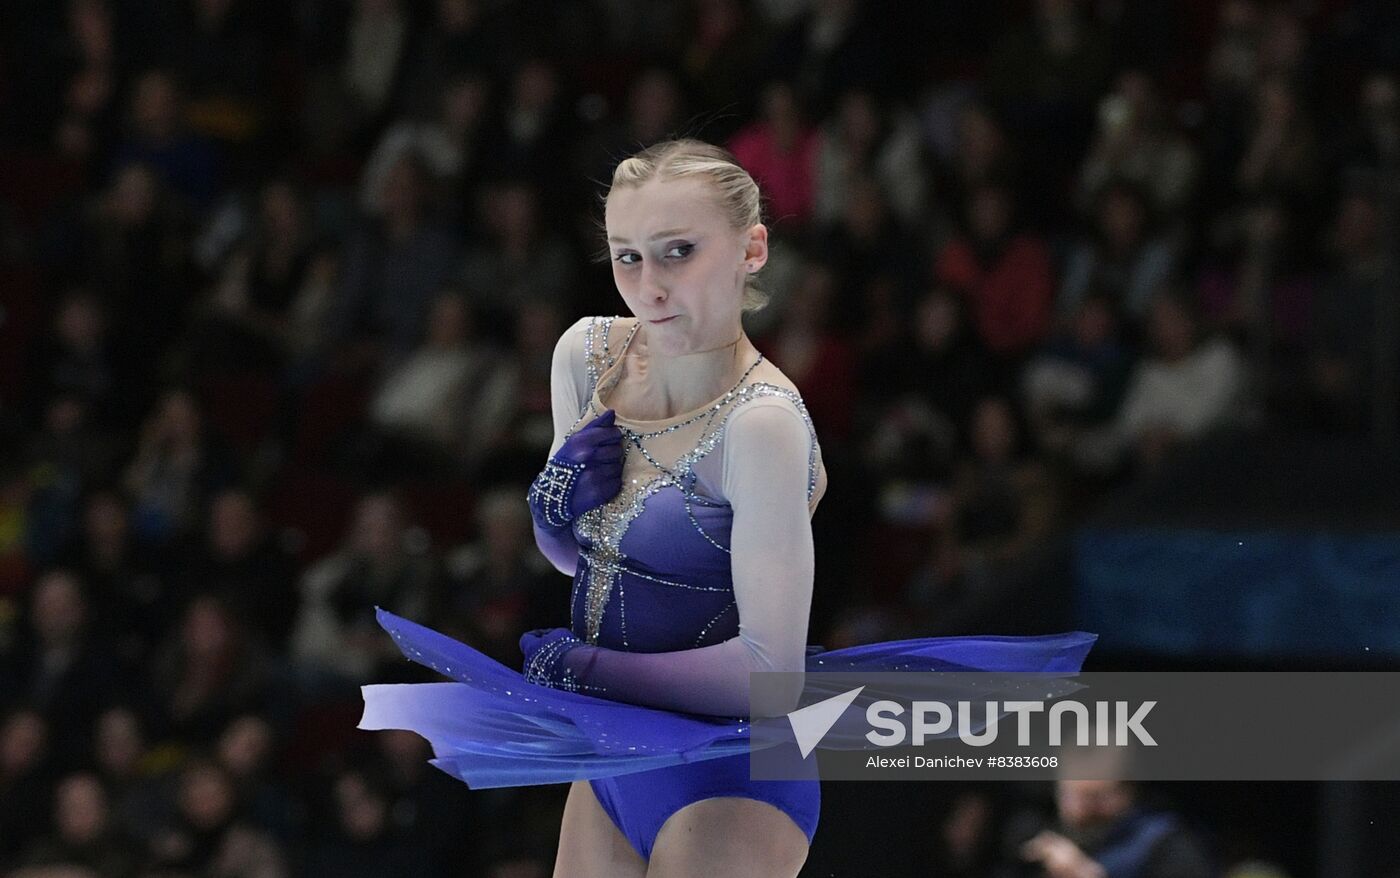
[658, 592]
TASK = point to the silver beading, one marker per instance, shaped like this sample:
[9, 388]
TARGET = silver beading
[551, 490]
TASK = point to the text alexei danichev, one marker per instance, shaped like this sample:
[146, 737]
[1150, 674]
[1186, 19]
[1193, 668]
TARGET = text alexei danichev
[924, 762]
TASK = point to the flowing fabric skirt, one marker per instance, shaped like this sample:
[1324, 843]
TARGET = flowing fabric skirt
[490, 728]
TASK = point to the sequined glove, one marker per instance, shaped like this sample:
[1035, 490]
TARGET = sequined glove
[554, 657]
[583, 474]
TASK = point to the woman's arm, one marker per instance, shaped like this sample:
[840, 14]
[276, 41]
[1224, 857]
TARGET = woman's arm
[766, 448]
[565, 391]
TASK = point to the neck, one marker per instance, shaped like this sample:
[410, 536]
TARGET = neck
[676, 383]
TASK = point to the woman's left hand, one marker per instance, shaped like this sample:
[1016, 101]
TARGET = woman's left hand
[544, 650]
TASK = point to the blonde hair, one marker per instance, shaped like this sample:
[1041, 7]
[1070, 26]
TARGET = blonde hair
[736, 191]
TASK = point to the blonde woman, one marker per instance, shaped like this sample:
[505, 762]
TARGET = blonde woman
[678, 496]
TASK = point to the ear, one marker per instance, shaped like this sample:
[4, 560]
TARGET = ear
[755, 247]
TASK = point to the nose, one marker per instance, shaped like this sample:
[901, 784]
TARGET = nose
[651, 288]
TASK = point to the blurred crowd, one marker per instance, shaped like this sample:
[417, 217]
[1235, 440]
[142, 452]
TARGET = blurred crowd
[280, 285]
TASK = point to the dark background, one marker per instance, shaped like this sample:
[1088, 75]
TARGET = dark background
[1093, 305]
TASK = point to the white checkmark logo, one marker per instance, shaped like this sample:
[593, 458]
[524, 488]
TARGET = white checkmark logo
[811, 723]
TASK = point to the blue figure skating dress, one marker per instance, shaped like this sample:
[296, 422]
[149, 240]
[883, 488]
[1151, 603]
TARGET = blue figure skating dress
[705, 526]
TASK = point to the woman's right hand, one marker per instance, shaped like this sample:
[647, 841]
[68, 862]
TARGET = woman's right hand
[583, 474]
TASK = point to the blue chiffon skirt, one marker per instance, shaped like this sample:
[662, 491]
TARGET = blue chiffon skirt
[490, 728]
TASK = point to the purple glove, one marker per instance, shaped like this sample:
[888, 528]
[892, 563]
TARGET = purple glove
[583, 474]
[545, 651]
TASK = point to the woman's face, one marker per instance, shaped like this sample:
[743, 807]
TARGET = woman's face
[679, 265]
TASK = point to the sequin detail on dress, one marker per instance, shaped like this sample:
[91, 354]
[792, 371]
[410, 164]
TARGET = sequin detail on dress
[604, 528]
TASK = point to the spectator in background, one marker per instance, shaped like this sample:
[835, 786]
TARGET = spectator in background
[536, 129]
[382, 564]
[457, 31]
[978, 153]
[866, 137]
[241, 561]
[720, 45]
[1280, 148]
[307, 332]
[129, 771]
[128, 588]
[497, 585]
[92, 65]
[1232, 67]
[363, 840]
[1078, 379]
[176, 468]
[209, 835]
[1002, 503]
[66, 456]
[429, 810]
[1348, 325]
[207, 673]
[780, 151]
[1045, 75]
[247, 751]
[427, 401]
[1370, 141]
[159, 137]
[941, 362]
[1005, 277]
[1259, 293]
[393, 266]
[84, 835]
[16, 567]
[815, 354]
[248, 320]
[512, 412]
[1135, 142]
[1185, 387]
[520, 262]
[829, 47]
[63, 666]
[1125, 260]
[77, 357]
[26, 773]
[134, 247]
[1108, 827]
[1057, 59]
[877, 260]
[449, 139]
[376, 44]
[223, 58]
[653, 112]
[965, 846]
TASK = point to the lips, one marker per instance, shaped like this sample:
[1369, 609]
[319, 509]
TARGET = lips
[664, 319]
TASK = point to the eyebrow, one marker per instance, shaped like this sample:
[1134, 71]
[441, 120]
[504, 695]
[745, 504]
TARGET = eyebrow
[663, 234]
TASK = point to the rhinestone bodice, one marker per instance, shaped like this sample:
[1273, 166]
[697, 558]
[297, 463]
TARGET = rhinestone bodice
[654, 570]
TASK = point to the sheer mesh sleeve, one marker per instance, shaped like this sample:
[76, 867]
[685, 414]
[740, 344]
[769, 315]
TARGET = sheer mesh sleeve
[567, 386]
[765, 481]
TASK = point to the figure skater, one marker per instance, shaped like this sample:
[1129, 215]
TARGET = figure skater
[678, 495]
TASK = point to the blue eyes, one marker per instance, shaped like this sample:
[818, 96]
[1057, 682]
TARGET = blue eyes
[683, 250]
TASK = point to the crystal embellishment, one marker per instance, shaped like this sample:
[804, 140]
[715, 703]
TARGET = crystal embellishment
[552, 489]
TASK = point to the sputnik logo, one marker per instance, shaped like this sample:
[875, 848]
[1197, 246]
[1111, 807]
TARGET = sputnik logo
[811, 723]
